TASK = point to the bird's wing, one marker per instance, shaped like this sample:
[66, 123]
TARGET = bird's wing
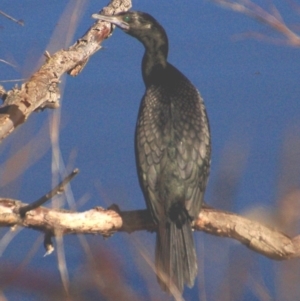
[193, 166]
[192, 140]
[150, 146]
[160, 129]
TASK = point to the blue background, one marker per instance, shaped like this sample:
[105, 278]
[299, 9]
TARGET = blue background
[251, 90]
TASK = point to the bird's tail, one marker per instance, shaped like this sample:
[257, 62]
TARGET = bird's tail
[175, 257]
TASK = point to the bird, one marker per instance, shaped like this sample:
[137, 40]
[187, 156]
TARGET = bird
[173, 151]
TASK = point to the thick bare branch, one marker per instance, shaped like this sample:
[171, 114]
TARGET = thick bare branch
[42, 89]
[256, 236]
[262, 239]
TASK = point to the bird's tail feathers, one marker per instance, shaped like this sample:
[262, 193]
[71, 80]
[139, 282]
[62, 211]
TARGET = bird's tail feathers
[175, 257]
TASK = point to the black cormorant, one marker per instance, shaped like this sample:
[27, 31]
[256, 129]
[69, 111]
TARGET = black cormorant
[172, 144]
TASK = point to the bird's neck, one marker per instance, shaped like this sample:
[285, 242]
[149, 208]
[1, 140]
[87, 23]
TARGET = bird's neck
[155, 58]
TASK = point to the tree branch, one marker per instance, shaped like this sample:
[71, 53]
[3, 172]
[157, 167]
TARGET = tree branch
[42, 89]
[259, 238]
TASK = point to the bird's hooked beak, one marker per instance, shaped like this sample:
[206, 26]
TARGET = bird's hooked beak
[116, 20]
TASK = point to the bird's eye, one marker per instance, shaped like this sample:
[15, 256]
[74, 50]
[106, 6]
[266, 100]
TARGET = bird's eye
[126, 18]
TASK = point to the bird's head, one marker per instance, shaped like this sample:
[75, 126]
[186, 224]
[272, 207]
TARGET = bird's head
[135, 23]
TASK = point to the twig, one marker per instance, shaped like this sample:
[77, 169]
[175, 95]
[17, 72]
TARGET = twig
[5, 62]
[56, 190]
[20, 22]
[274, 20]
[12, 80]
